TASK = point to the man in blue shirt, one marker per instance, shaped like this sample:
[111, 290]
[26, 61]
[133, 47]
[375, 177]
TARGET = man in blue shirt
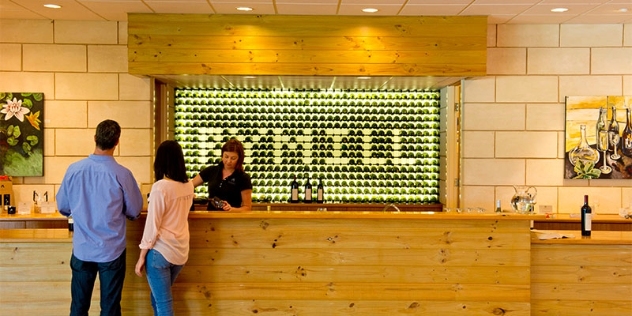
[99, 194]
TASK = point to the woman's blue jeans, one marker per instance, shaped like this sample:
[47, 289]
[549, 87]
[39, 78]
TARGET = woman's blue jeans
[161, 274]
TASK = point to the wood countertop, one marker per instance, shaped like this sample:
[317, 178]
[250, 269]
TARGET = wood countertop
[361, 215]
[33, 216]
[36, 235]
[575, 237]
[571, 218]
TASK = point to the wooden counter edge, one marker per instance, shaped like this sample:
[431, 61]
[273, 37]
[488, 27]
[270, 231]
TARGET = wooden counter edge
[596, 238]
[33, 216]
[28, 235]
[360, 215]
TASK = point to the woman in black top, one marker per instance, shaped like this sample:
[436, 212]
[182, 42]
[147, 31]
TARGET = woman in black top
[227, 181]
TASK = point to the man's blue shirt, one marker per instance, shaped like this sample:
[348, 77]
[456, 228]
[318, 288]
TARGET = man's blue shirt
[100, 194]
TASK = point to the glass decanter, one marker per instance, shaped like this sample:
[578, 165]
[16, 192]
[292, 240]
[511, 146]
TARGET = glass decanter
[583, 151]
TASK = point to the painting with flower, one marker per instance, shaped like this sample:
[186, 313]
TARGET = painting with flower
[21, 134]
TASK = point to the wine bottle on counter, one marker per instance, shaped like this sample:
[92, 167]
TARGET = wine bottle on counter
[294, 191]
[320, 192]
[586, 213]
[308, 192]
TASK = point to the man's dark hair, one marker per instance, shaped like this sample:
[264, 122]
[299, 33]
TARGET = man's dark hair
[169, 162]
[107, 134]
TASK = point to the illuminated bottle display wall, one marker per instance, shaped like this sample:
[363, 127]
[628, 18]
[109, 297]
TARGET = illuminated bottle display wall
[365, 146]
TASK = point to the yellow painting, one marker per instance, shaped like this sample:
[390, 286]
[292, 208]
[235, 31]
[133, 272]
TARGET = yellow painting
[598, 137]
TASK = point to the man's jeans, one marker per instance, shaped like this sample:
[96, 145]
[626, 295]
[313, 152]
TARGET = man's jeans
[161, 274]
[84, 274]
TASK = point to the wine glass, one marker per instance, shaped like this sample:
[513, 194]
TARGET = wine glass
[602, 145]
[613, 135]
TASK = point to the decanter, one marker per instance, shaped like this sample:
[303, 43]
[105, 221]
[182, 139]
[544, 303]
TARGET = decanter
[583, 151]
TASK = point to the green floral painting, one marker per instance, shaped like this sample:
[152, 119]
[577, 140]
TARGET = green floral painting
[21, 134]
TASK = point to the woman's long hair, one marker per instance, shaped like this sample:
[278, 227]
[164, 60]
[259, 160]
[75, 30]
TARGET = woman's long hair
[169, 162]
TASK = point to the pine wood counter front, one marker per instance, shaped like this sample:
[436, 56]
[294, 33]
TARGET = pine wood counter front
[306, 263]
[371, 263]
[582, 276]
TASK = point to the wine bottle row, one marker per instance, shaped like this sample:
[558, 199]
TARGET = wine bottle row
[322, 128]
[309, 94]
[365, 146]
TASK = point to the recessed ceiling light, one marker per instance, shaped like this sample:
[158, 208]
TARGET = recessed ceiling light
[363, 78]
[559, 10]
[370, 10]
[244, 9]
[623, 10]
[52, 6]
[250, 77]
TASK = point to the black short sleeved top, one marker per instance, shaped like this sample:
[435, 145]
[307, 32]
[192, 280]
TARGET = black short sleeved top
[228, 189]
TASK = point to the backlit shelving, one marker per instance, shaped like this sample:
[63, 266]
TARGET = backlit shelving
[368, 146]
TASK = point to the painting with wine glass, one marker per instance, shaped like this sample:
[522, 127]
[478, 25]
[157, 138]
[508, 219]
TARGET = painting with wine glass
[598, 137]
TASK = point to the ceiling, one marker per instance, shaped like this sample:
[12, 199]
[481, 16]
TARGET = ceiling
[498, 12]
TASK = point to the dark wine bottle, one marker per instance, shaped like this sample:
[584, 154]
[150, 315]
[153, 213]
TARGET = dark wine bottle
[613, 134]
[308, 192]
[320, 192]
[626, 138]
[294, 191]
[586, 213]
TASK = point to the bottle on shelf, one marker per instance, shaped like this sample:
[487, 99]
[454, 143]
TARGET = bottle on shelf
[498, 209]
[320, 192]
[294, 191]
[308, 192]
[586, 214]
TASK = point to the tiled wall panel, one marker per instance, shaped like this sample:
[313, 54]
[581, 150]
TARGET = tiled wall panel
[560, 60]
[81, 67]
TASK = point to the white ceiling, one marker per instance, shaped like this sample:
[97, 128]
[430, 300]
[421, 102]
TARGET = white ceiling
[498, 11]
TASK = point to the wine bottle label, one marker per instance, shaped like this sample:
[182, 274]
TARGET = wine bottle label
[588, 222]
[294, 194]
[308, 194]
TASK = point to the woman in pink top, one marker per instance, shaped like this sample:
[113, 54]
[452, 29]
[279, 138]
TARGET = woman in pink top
[165, 243]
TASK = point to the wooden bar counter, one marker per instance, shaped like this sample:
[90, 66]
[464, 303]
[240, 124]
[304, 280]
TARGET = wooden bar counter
[303, 263]
[347, 263]
[582, 276]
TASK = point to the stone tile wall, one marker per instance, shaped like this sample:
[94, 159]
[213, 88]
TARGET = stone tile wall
[81, 67]
[514, 118]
